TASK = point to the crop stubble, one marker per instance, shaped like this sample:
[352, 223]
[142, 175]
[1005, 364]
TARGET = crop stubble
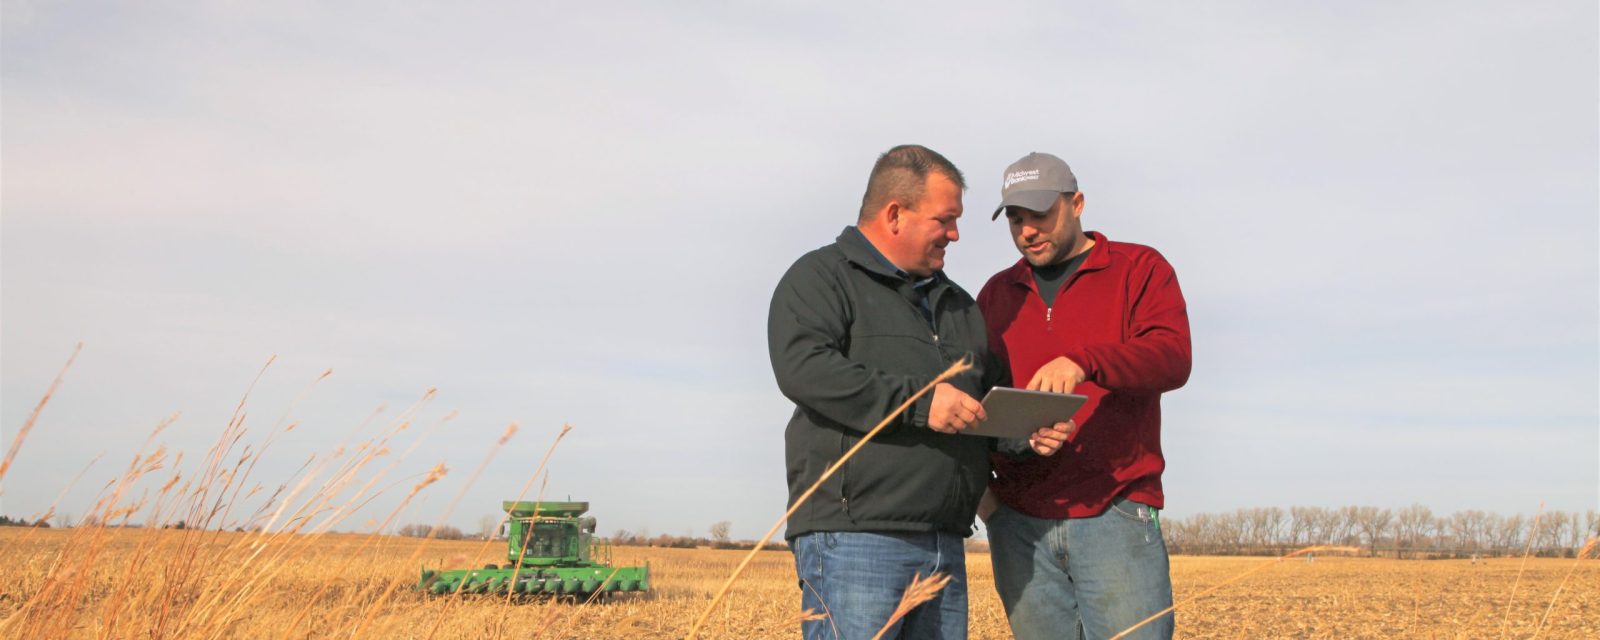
[1330, 597]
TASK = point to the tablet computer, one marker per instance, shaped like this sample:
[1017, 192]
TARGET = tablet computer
[1017, 413]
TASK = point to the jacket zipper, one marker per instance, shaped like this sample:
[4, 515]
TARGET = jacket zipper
[844, 489]
[933, 323]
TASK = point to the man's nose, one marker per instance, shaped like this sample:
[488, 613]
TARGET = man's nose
[954, 233]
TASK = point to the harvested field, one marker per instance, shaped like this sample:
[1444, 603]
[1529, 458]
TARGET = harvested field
[1331, 597]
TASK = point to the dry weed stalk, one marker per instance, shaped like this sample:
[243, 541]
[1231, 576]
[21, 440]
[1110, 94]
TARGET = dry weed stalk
[66, 583]
[1583, 552]
[1312, 549]
[170, 585]
[918, 592]
[372, 610]
[954, 369]
[827, 614]
[807, 615]
[22, 434]
[1532, 531]
[224, 598]
[265, 554]
[51, 511]
[526, 486]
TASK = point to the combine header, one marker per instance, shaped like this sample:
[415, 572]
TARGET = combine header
[550, 548]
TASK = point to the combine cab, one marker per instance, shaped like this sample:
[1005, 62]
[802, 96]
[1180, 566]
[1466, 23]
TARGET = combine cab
[550, 548]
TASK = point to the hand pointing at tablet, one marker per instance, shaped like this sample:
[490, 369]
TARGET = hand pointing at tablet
[1061, 375]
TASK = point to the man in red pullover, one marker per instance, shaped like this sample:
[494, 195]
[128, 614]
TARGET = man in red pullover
[1075, 538]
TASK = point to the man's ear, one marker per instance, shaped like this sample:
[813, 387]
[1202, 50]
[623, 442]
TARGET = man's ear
[1076, 204]
[891, 216]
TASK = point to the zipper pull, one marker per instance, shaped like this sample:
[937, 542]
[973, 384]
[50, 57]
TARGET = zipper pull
[1047, 324]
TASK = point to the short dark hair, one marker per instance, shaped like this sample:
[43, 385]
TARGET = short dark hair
[901, 174]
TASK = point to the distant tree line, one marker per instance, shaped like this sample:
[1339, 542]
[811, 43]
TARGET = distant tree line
[1411, 532]
[6, 521]
[720, 538]
[443, 532]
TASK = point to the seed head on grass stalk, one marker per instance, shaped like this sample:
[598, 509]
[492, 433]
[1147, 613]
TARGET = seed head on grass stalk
[954, 369]
[378, 603]
[523, 550]
[261, 556]
[918, 592]
[66, 584]
[808, 615]
[372, 610]
[51, 511]
[272, 434]
[320, 501]
[252, 579]
[22, 434]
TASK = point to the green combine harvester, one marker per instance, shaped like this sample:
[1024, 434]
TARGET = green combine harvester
[550, 549]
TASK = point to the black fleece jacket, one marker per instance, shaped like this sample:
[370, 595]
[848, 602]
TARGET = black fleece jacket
[848, 344]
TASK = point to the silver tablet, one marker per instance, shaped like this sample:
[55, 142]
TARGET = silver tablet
[1017, 413]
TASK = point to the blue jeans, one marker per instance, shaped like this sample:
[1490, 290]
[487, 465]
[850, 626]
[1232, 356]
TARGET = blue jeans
[1082, 577]
[857, 578]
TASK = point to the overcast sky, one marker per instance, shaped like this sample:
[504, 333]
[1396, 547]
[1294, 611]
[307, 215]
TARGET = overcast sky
[1384, 217]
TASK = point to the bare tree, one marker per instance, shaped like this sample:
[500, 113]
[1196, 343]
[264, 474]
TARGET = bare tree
[1179, 533]
[489, 527]
[1326, 523]
[1472, 530]
[720, 532]
[1575, 534]
[1409, 530]
[1229, 529]
[1551, 531]
[1349, 521]
[1505, 532]
[1302, 525]
[1412, 524]
[1373, 523]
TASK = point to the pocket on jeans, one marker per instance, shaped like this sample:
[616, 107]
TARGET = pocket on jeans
[1131, 510]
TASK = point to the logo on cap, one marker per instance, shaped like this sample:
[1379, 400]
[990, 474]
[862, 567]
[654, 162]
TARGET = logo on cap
[1020, 176]
[1034, 183]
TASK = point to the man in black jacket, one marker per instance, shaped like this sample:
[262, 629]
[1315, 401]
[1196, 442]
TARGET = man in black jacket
[855, 329]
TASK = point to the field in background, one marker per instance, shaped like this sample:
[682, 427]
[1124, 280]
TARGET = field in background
[1334, 597]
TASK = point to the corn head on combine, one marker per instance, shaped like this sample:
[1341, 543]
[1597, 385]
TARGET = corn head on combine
[550, 549]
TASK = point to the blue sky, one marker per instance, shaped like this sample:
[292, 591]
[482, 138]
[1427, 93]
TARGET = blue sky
[1383, 215]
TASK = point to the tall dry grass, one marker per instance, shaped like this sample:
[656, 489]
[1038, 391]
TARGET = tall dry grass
[179, 574]
[291, 575]
[1334, 597]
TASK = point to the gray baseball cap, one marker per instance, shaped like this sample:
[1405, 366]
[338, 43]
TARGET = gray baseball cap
[1034, 182]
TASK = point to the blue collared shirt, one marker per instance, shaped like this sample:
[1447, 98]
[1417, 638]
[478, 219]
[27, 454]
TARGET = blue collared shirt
[921, 286]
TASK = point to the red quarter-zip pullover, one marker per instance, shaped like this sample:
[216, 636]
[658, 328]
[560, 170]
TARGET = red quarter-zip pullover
[1122, 318]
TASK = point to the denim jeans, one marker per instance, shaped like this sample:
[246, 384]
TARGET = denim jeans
[857, 578]
[1082, 577]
